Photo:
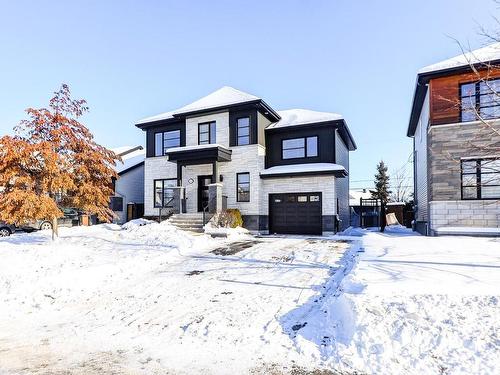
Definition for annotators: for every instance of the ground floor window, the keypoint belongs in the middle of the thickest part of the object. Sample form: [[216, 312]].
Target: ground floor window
[[243, 187], [116, 203], [480, 178], [164, 192]]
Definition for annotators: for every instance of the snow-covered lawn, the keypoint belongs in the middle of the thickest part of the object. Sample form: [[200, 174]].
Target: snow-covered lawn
[[153, 300], [421, 305]]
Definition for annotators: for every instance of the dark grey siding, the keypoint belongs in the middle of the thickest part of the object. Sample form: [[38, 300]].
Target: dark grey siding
[[326, 144], [150, 135], [234, 116]]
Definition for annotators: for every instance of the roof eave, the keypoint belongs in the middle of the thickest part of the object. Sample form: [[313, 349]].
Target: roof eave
[[421, 89], [340, 123], [336, 173]]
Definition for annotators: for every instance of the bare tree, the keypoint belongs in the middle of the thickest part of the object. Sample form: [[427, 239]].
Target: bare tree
[[401, 187]]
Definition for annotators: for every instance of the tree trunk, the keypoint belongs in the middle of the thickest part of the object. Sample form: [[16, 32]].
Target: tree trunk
[[55, 229]]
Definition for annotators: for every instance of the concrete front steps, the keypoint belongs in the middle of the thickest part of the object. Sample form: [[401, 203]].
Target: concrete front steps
[[188, 222]]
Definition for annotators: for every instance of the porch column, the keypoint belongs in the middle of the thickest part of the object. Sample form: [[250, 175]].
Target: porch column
[[215, 198], [215, 172]]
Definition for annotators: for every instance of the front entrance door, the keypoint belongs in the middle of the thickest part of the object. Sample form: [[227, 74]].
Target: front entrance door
[[203, 182]]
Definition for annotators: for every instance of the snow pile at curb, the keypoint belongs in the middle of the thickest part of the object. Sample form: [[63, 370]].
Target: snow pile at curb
[[232, 233], [132, 224]]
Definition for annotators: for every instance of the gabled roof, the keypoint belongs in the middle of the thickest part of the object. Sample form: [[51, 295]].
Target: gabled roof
[[293, 117], [481, 57], [132, 157], [224, 97]]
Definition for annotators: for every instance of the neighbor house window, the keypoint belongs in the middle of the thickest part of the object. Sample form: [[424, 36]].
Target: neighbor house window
[[206, 133], [243, 187], [116, 203], [243, 131], [480, 99], [164, 192], [300, 148], [166, 140], [481, 178]]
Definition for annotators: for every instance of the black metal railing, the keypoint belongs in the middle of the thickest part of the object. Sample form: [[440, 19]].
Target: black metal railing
[[166, 211]]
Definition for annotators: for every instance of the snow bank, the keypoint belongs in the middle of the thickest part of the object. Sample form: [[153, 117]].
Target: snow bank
[[232, 233], [416, 305]]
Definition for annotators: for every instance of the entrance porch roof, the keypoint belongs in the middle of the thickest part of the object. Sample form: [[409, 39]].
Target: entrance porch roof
[[199, 154]]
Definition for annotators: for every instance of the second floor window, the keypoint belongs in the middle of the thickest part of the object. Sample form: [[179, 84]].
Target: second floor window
[[207, 133], [480, 99], [243, 131], [481, 178], [166, 140], [300, 148]]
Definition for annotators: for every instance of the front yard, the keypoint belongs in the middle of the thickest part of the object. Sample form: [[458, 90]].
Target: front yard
[[153, 300]]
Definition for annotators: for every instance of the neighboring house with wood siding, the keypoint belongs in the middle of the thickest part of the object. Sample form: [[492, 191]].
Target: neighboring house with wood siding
[[455, 128], [286, 171]]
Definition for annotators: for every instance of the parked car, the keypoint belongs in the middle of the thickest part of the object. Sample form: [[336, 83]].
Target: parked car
[[71, 218], [6, 229]]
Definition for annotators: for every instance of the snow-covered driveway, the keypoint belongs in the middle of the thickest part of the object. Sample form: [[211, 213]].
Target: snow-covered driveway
[[421, 305], [151, 299]]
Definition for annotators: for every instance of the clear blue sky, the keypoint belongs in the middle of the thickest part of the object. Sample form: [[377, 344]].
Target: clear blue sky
[[132, 59]]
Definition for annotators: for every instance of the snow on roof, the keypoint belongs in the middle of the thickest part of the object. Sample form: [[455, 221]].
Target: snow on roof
[[300, 168], [355, 195], [195, 147], [222, 97], [130, 159], [485, 54], [292, 117], [161, 116]]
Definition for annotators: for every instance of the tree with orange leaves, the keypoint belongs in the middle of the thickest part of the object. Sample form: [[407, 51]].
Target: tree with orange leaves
[[52, 161]]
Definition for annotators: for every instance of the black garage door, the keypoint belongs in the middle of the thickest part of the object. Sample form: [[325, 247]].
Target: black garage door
[[295, 213]]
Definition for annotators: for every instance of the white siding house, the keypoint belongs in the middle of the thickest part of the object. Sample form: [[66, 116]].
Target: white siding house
[[129, 187]]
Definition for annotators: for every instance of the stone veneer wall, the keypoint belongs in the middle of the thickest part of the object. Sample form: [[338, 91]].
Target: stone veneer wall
[[448, 144], [479, 213]]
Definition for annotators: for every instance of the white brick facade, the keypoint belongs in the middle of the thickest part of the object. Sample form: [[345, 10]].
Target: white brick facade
[[244, 159], [310, 184], [157, 168], [221, 124]]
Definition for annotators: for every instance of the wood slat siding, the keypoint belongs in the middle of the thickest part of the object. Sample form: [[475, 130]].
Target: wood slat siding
[[445, 95]]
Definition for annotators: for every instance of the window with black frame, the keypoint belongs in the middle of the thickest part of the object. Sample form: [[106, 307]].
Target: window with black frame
[[164, 192], [296, 148], [243, 131], [480, 100], [166, 140], [480, 178], [207, 133], [243, 187]]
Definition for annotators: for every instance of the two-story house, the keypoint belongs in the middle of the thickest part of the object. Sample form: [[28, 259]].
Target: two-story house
[[455, 127], [286, 171]]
